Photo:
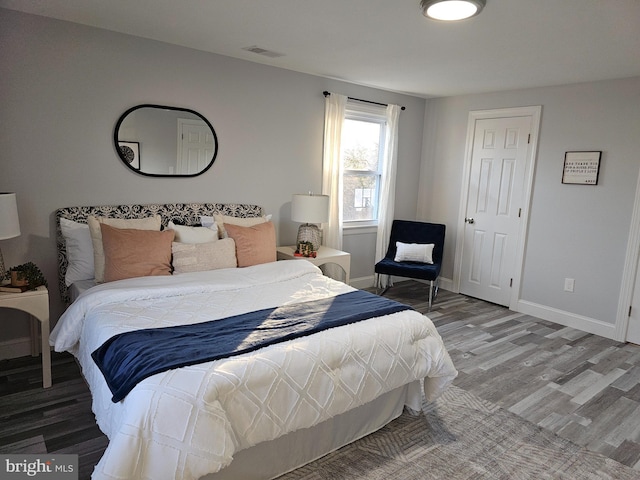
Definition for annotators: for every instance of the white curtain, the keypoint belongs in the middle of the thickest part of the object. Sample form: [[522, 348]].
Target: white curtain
[[388, 186], [334, 110]]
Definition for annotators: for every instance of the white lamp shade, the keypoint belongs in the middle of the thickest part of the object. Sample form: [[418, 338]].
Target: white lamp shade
[[9, 222], [310, 208]]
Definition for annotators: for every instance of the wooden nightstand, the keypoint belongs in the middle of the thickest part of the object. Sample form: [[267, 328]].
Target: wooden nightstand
[[35, 303], [323, 255]]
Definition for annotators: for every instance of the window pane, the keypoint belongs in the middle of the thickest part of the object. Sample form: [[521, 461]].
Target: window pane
[[360, 197], [360, 145]]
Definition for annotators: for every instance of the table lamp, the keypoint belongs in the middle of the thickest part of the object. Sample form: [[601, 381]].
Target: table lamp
[[310, 209], [9, 223]]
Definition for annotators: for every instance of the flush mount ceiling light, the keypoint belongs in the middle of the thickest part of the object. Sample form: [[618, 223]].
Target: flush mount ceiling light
[[451, 10]]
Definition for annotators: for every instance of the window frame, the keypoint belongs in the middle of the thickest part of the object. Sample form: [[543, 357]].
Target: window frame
[[373, 114]]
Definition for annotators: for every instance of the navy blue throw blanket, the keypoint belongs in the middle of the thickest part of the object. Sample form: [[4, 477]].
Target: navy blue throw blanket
[[128, 358]]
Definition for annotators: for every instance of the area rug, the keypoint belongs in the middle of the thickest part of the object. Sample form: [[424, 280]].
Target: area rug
[[461, 436]]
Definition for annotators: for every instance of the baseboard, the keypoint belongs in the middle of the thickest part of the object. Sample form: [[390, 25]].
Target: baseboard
[[586, 324], [561, 317], [362, 282], [15, 348]]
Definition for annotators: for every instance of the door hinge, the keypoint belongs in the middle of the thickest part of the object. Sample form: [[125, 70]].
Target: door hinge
[[519, 212], [529, 139], [630, 310], [511, 282]]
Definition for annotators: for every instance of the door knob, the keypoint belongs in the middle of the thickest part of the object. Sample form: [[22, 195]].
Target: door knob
[[469, 220]]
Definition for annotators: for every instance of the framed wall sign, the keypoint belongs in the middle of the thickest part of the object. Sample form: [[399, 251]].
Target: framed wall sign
[[581, 168]]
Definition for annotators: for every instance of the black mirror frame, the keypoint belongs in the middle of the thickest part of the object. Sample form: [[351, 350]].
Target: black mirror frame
[[162, 107]]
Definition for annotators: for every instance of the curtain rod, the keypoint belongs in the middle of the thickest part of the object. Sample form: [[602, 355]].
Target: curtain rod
[[326, 94]]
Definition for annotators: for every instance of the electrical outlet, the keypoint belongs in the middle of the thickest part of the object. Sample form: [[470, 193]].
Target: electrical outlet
[[568, 284]]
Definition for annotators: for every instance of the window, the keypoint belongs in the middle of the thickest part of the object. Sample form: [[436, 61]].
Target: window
[[362, 156]]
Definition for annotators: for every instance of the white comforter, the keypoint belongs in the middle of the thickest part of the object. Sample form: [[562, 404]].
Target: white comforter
[[188, 422]]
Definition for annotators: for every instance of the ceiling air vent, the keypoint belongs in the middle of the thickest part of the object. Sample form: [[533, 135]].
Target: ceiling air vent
[[263, 52]]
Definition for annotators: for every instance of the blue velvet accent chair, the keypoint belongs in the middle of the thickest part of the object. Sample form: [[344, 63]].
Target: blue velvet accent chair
[[407, 231]]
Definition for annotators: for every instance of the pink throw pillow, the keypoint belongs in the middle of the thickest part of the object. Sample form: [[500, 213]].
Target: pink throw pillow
[[255, 244], [133, 253]]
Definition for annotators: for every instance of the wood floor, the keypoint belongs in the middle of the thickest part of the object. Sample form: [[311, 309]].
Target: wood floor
[[582, 387]]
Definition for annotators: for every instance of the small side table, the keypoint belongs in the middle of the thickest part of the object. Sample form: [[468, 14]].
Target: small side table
[[323, 255], [35, 303]]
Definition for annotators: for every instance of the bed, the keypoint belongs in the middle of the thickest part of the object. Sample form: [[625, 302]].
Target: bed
[[262, 411]]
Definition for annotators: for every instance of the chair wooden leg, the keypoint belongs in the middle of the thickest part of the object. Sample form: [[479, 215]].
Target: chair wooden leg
[[430, 294]]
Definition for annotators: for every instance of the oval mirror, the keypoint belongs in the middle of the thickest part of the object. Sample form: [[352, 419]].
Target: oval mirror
[[165, 141]]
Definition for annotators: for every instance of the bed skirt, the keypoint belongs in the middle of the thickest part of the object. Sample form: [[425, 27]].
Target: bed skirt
[[269, 460]]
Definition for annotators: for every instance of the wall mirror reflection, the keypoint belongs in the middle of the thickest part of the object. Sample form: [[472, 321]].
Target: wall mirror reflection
[[163, 141]]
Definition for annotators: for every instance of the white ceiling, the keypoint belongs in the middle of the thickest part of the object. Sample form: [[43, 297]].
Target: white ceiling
[[388, 44]]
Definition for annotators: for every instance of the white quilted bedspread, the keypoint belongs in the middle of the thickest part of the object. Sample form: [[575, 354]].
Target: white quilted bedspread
[[188, 422]]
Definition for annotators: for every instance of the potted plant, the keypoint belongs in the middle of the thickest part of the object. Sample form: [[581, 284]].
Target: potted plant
[[27, 275], [305, 249]]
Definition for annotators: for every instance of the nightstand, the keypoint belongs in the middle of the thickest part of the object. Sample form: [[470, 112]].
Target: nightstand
[[35, 303], [323, 255]]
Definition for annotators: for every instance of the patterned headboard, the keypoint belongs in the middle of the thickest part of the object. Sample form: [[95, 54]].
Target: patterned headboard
[[179, 213]]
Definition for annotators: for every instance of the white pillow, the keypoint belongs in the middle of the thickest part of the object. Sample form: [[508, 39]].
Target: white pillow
[[414, 252], [77, 239], [208, 222], [186, 234], [220, 220]]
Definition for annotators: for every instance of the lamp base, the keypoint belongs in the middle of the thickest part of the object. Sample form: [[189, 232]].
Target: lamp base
[[310, 233]]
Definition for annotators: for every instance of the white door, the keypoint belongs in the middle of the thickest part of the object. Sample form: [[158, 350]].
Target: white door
[[496, 193], [195, 146], [633, 330]]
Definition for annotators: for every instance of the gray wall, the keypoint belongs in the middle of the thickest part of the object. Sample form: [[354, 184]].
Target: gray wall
[[574, 231], [64, 86]]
